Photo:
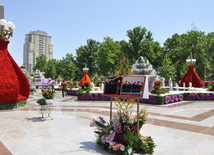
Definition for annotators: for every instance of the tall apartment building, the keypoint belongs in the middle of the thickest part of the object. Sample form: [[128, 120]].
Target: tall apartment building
[[36, 44], [1, 10]]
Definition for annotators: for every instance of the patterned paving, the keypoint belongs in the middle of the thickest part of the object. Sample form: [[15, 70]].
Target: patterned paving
[[187, 119]]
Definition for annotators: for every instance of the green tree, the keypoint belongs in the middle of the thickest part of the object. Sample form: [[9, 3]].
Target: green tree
[[67, 67], [50, 70], [40, 63], [87, 55], [108, 56], [178, 49], [141, 43], [168, 69]]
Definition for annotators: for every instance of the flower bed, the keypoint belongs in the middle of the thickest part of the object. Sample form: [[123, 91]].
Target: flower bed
[[72, 92], [156, 99], [96, 96], [199, 96], [162, 99]]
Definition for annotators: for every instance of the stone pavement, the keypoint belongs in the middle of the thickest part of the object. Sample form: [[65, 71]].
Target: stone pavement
[[180, 128]]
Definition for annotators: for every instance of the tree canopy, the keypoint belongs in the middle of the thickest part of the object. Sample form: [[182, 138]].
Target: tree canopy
[[169, 60]]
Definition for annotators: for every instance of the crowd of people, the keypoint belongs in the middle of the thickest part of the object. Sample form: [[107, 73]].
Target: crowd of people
[[113, 86], [132, 86]]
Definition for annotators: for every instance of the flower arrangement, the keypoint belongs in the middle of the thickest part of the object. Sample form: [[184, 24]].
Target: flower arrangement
[[47, 83], [210, 86], [173, 83], [48, 94], [120, 135], [41, 101], [73, 85], [98, 84], [86, 88], [157, 88], [206, 83]]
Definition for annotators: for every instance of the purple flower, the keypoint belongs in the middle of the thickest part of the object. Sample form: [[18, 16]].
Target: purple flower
[[192, 97], [93, 124], [209, 97], [96, 97], [176, 98], [180, 97], [85, 97], [166, 100], [152, 99], [109, 138], [102, 120], [116, 124], [102, 97]]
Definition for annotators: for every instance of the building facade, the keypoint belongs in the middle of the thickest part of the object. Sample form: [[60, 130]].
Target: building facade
[[1, 10], [36, 44]]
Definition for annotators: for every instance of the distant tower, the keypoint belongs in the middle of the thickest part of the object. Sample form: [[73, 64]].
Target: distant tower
[[36, 44], [1, 10]]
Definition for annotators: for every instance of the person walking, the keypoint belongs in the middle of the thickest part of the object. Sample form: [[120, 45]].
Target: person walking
[[64, 88]]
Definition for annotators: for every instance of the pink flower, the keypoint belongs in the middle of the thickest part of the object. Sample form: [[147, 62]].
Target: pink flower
[[131, 117], [126, 127], [116, 146], [93, 124], [141, 115], [124, 120]]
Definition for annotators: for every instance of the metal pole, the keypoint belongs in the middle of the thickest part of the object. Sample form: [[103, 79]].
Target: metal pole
[[110, 108], [137, 116]]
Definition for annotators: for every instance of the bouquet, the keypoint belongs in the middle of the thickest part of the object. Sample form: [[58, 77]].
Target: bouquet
[[120, 135], [48, 94]]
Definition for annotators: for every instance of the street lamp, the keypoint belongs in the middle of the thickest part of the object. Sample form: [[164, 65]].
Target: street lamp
[[6, 29]]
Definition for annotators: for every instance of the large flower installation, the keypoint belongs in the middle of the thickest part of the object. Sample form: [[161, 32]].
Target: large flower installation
[[14, 85]]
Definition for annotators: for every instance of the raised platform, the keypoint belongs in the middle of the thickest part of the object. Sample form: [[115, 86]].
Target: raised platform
[[171, 97]]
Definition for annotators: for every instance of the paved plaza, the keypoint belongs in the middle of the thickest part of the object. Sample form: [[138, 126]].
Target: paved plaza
[[183, 128]]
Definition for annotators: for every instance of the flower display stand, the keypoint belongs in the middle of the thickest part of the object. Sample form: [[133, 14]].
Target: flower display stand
[[49, 101], [46, 109]]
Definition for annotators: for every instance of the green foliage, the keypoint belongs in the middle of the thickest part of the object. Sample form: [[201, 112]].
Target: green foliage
[[108, 55], [169, 60], [87, 55], [50, 70], [41, 101], [85, 89], [12, 105], [147, 145], [210, 86], [168, 69], [31, 74], [66, 67], [40, 63], [178, 49], [132, 139]]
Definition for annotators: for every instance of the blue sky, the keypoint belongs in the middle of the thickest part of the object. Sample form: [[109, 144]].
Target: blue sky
[[72, 22]]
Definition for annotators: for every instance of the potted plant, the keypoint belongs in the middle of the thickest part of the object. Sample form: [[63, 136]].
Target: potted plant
[[48, 95], [32, 90], [42, 103]]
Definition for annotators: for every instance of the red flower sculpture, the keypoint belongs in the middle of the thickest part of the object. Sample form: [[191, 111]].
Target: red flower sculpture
[[14, 85]]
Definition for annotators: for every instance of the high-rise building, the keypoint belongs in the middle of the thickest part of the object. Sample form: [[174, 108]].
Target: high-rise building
[[1, 10], [36, 44]]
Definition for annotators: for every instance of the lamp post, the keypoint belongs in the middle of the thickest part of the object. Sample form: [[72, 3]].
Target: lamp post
[[6, 29]]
